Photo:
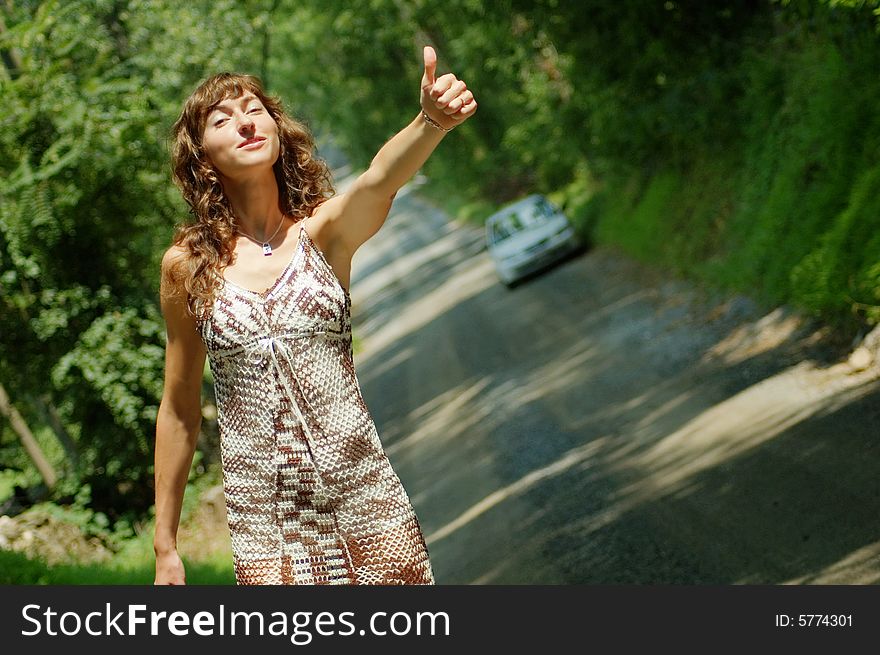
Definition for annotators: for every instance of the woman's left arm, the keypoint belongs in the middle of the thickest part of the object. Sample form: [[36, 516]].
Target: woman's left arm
[[361, 210]]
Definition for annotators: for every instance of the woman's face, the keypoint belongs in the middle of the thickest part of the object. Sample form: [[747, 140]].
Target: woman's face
[[240, 137]]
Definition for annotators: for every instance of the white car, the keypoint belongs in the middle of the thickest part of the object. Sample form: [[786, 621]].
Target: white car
[[528, 235]]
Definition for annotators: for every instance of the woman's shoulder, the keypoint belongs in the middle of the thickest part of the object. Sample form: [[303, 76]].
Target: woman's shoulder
[[175, 256], [173, 273], [323, 222]]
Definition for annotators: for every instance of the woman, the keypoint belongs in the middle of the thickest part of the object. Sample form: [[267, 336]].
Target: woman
[[259, 284]]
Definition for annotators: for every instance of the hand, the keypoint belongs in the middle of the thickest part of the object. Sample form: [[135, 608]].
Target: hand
[[169, 569], [447, 99]]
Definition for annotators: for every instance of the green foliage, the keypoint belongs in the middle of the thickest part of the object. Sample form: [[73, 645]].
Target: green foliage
[[90, 91], [794, 235], [842, 271], [735, 142], [119, 356]]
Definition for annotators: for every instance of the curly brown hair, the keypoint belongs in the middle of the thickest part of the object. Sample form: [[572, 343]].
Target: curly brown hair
[[304, 183]]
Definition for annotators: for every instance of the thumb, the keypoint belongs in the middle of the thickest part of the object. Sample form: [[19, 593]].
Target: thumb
[[430, 66]]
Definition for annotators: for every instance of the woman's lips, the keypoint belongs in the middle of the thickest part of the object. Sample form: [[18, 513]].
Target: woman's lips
[[252, 142]]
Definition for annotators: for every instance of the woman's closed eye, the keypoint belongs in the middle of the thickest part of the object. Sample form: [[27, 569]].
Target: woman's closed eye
[[220, 121]]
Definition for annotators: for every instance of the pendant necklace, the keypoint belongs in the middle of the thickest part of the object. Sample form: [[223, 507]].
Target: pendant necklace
[[267, 249]]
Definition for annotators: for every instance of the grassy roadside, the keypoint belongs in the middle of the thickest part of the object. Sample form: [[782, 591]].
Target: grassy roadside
[[19, 569], [203, 544]]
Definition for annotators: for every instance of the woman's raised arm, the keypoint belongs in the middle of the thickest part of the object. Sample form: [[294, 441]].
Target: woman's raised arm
[[358, 213]]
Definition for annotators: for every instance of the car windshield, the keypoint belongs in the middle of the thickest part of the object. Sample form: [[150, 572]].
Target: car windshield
[[530, 216]]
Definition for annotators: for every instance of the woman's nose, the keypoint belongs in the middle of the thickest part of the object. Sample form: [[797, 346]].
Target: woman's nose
[[245, 123]]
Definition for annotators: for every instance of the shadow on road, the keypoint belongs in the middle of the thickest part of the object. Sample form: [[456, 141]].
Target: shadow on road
[[604, 424]]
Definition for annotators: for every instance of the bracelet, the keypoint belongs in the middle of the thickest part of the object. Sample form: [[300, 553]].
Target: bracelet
[[431, 121]]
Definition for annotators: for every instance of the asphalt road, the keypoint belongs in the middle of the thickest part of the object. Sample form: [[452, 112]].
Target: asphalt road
[[604, 423]]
